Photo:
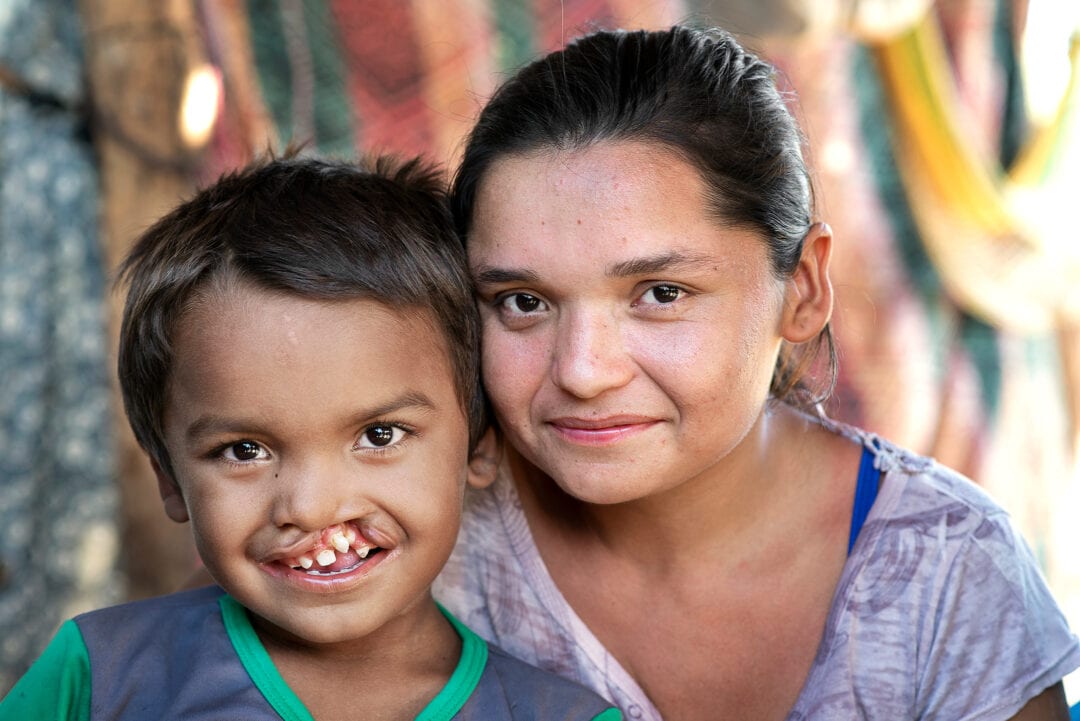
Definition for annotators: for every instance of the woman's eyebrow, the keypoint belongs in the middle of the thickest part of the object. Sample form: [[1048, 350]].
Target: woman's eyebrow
[[646, 265], [486, 274], [651, 264]]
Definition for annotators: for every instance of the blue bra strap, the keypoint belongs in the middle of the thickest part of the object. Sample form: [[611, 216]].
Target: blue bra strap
[[866, 489]]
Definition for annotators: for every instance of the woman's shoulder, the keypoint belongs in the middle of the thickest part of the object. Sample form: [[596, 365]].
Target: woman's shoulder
[[913, 485], [939, 567]]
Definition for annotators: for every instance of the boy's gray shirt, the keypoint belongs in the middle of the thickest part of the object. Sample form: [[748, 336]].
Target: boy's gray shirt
[[171, 658]]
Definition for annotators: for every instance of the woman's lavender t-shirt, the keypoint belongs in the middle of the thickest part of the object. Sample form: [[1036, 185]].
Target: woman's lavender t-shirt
[[941, 611]]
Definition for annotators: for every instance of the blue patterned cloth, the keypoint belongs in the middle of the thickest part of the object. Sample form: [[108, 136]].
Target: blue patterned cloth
[[58, 498]]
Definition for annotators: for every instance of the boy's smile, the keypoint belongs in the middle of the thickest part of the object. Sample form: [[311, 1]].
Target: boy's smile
[[320, 453]]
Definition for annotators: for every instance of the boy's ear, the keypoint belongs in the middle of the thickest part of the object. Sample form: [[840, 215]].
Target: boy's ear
[[175, 508], [808, 294], [484, 462]]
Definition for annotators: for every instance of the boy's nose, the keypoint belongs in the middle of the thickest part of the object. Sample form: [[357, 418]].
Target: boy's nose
[[590, 355], [313, 495]]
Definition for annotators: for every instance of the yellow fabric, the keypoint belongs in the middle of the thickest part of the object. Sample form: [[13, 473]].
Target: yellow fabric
[[978, 222]]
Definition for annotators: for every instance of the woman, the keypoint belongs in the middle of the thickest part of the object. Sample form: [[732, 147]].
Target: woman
[[674, 524]]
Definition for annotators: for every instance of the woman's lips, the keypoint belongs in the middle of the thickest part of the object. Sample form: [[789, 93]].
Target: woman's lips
[[600, 431]]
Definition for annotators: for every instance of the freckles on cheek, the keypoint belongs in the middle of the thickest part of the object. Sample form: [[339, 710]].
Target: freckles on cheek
[[512, 378], [677, 353], [511, 366]]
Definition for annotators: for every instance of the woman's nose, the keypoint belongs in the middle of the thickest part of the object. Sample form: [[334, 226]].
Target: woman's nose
[[590, 356]]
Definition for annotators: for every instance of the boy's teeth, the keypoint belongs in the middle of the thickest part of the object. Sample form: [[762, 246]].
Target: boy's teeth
[[363, 551], [306, 562], [326, 557], [350, 535], [339, 542]]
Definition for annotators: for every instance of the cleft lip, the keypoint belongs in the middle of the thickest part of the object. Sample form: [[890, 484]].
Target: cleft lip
[[293, 549], [341, 543]]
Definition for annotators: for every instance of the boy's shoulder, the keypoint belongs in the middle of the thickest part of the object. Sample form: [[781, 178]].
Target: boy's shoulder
[[193, 600], [511, 688], [165, 621], [167, 657]]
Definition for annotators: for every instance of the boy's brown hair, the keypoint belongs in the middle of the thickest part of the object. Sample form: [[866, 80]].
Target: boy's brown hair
[[379, 230]]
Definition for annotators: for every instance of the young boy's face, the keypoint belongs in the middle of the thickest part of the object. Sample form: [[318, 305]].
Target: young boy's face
[[319, 434]]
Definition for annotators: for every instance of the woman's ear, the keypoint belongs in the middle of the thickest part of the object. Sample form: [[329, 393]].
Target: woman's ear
[[175, 508], [808, 295], [484, 462]]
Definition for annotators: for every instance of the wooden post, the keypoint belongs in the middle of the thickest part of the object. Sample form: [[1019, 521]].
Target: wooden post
[[138, 55]]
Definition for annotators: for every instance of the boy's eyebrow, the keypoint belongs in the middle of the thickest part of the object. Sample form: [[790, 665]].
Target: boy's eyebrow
[[412, 399], [645, 265], [211, 424]]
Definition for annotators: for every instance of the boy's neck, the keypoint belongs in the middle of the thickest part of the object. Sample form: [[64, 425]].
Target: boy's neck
[[392, 673]]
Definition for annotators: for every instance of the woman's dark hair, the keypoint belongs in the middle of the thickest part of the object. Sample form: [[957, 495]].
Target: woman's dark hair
[[696, 92]]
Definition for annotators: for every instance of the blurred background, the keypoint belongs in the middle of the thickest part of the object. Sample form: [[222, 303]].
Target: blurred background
[[944, 138]]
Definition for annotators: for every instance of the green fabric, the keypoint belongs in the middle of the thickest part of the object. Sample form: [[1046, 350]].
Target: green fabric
[[466, 676], [266, 678], [611, 714], [1014, 122], [978, 338], [57, 686], [306, 94], [272, 63], [333, 111], [257, 662], [515, 28]]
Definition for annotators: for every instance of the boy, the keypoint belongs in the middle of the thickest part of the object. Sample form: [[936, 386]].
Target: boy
[[299, 358]]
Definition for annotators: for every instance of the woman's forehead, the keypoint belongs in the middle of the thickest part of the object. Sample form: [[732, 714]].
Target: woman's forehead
[[606, 182], [611, 202], [605, 163]]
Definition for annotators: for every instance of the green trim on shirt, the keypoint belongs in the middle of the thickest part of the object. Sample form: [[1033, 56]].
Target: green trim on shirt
[[462, 683], [257, 662], [57, 686], [272, 686]]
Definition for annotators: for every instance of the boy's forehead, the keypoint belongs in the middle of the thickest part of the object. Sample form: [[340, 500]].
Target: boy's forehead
[[236, 342], [225, 310]]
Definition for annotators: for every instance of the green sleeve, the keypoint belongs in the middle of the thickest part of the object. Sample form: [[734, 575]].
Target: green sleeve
[[57, 686]]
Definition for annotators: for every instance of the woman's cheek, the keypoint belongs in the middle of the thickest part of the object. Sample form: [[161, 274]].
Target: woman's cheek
[[513, 366]]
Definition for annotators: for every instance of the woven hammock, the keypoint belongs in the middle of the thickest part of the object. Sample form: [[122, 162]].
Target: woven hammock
[[988, 230]]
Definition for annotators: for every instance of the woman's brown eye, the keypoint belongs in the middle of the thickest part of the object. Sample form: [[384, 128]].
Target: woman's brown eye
[[526, 303], [665, 293], [661, 295]]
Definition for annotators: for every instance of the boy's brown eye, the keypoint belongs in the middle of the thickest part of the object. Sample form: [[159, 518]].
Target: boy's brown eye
[[245, 450], [380, 435]]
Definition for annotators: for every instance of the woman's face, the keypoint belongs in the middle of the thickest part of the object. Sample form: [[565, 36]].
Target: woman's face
[[628, 338]]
